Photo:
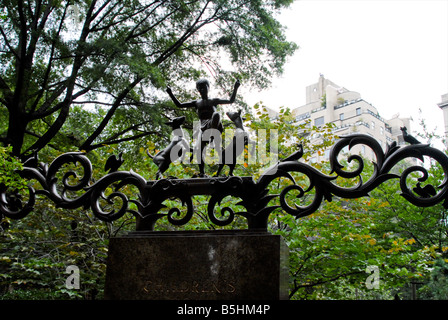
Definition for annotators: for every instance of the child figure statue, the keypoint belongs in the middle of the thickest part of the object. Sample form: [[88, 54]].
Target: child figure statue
[[206, 108]]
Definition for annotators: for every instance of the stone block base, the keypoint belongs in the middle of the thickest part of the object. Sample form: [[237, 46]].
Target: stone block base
[[197, 265]]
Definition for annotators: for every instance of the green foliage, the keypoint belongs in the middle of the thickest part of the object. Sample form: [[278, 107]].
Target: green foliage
[[437, 287], [35, 252], [9, 167]]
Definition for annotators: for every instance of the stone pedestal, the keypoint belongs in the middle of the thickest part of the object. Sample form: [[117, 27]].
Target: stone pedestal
[[197, 265]]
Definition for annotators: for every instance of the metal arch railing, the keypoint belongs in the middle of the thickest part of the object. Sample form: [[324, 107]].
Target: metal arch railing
[[254, 195]]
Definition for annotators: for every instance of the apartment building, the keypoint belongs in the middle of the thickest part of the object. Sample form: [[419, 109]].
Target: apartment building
[[444, 106], [328, 102]]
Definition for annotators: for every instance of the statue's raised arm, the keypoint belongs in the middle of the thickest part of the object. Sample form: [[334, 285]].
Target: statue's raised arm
[[232, 97], [178, 104]]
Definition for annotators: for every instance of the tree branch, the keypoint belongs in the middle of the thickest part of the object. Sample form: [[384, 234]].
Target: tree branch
[[7, 93], [5, 37], [187, 34], [49, 65], [134, 127], [323, 281], [45, 109], [55, 127], [117, 141], [87, 144]]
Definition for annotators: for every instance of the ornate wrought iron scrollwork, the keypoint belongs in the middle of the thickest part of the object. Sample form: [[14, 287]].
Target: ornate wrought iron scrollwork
[[68, 188], [46, 177], [385, 162]]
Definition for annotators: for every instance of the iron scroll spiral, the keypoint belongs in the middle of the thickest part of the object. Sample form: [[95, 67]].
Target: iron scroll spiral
[[324, 188], [69, 188]]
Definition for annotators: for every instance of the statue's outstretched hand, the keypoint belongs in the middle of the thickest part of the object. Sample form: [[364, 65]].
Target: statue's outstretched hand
[[237, 84]]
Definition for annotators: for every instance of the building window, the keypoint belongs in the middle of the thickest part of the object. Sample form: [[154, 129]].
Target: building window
[[302, 116], [358, 111], [319, 121], [381, 130], [363, 149], [373, 125], [341, 116]]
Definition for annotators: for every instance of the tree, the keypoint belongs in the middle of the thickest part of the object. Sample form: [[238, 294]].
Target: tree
[[118, 54]]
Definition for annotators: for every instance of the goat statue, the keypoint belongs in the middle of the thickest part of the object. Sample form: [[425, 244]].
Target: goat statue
[[175, 150], [236, 145]]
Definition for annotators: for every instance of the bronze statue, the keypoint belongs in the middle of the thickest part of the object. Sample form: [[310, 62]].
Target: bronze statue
[[407, 137], [114, 162], [206, 109], [174, 150], [236, 145]]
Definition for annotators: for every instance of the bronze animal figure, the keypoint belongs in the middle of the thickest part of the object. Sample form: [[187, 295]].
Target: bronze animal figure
[[114, 162], [236, 146], [407, 137], [174, 150]]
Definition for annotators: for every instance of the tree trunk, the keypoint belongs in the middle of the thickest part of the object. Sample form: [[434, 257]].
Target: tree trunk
[[16, 131], [55, 127]]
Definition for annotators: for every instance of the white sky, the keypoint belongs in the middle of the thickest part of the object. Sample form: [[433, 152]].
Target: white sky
[[394, 53]]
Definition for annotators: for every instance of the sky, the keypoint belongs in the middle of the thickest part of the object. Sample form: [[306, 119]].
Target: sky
[[393, 52]]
